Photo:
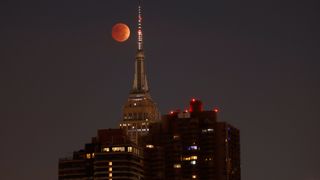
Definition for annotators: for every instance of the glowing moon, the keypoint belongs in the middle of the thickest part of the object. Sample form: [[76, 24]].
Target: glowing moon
[[120, 32]]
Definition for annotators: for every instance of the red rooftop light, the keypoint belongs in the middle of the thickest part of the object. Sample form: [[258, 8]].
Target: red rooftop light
[[216, 110], [195, 105]]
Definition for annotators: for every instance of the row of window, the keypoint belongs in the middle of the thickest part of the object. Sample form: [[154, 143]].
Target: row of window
[[136, 116], [133, 125], [121, 149]]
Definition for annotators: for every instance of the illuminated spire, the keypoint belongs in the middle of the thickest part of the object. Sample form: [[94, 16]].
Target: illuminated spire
[[140, 83], [140, 34]]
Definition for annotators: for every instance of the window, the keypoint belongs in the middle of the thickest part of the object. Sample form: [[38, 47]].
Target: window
[[129, 149], [209, 130], [88, 156], [188, 158], [149, 146], [176, 137], [192, 148], [194, 157], [177, 166], [118, 149]]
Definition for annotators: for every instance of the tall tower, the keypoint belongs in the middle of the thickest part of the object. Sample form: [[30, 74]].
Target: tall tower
[[139, 110]]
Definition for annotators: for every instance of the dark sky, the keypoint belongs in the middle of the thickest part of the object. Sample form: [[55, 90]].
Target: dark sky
[[63, 77]]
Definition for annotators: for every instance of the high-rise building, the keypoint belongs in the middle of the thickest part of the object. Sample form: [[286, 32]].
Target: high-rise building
[[140, 110], [192, 145], [110, 155]]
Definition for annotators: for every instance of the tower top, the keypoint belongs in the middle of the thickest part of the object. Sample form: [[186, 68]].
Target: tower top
[[140, 110]]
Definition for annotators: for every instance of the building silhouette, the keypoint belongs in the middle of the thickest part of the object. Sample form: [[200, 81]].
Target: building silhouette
[[110, 155], [192, 144]]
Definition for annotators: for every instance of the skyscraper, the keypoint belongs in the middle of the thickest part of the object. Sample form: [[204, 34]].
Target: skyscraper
[[139, 110], [110, 155], [192, 145]]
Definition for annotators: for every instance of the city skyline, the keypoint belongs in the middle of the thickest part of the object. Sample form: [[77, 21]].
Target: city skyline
[[256, 61]]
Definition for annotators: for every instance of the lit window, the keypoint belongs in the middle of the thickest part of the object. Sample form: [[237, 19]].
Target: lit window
[[110, 169], [88, 156], [106, 149], [92, 155], [194, 176], [118, 149], [186, 158], [194, 157], [192, 148], [129, 149], [149, 146], [175, 137], [207, 130], [177, 166], [110, 174], [193, 162], [110, 163]]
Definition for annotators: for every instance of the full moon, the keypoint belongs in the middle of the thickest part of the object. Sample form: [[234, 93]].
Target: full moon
[[120, 32]]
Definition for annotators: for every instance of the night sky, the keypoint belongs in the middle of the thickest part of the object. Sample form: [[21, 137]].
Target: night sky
[[62, 77]]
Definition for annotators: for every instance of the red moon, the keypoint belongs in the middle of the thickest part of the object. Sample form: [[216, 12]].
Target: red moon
[[120, 32]]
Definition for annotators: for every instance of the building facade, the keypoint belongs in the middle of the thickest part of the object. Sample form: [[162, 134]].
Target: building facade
[[110, 155], [192, 145]]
